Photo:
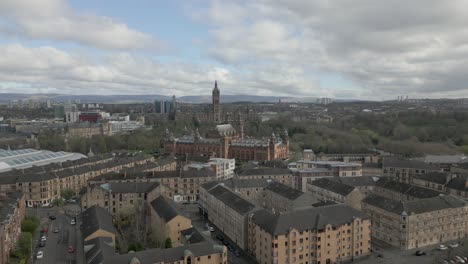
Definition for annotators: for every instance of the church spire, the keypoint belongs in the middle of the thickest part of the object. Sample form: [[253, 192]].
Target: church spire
[[216, 86]]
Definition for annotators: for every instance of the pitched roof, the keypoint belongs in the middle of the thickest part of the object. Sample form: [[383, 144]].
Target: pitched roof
[[451, 159], [165, 208], [246, 183], [405, 163], [416, 206], [333, 186], [458, 183], [192, 235], [96, 218], [8, 205], [284, 190], [436, 177], [168, 255], [98, 250], [309, 219], [356, 181], [405, 188], [130, 187], [265, 171], [234, 201]]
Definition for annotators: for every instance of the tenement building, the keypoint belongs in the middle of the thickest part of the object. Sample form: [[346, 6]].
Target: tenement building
[[404, 170], [328, 234], [277, 174], [328, 189], [120, 196], [224, 141], [12, 211], [227, 210], [417, 223]]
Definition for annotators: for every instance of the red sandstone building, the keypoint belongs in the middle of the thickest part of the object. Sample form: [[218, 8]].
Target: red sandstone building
[[225, 142]]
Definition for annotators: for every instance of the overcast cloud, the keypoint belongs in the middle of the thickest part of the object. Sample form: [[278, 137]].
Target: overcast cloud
[[380, 49]]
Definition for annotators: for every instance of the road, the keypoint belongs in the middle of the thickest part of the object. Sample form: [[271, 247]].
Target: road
[[56, 248]]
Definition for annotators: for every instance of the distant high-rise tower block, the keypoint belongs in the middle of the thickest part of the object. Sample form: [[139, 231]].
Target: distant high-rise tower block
[[216, 109]]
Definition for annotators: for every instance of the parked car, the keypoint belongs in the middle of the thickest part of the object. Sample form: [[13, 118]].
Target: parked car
[[220, 237], [42, 243], [442, 247], [71, 249], [420, 253], [73, 221], [211, 229], [236, 253], [46, 205], [40, 255], [43, 238], [52, 217], [45, 230], [56, 230], [453, 245]]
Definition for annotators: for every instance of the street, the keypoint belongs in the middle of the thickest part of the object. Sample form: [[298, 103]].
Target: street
[[56, 247]]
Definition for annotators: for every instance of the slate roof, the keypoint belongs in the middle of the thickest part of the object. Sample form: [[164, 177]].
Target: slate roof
[[8, 205], [98, 250], [232, 200], [441, 159], [405, 163], [333, 186], [458, 183], [265, 171], [168, 255], [165, 208], [96, 218], [356, 181], [192, 235], [309, 219], [246, 183], [416, 206], [404, 188], [130, 187], [284, 190], [436, 177]]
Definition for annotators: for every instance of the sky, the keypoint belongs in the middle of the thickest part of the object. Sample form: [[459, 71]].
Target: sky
[[359, 49]]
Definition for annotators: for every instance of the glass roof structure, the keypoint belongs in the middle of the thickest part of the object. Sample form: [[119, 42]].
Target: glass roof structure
[[24, 158]]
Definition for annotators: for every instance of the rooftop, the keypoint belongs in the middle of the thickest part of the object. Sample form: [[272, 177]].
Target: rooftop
[[404, 188], [450, 159], [405, 163], [416, 206], [165, 208], [333, 186], [315, 218], [96, 218], [265, 171], [284, 190], [25, 158], [436, 177], [130, 187], [232, 200]]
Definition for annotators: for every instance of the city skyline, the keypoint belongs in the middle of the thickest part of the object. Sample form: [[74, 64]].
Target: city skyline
[[374, 50]]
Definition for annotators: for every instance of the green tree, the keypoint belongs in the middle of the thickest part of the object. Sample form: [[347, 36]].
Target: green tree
[[67, 193], [168, 243], [24, 245], [29, 224]]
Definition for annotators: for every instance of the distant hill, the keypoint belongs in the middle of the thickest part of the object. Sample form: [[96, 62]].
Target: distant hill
[[196, 99]]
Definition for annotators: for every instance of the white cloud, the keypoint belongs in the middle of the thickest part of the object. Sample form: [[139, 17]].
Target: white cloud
[[49, 69], [54, 20], [384, 48]]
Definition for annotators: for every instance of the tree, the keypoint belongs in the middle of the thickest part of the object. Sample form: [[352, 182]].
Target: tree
[[168, 243], [67, 193], [29, 224], [24, 245], [158, 233]]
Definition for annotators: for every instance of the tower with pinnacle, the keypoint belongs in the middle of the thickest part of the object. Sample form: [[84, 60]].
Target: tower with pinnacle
[[215, 104]]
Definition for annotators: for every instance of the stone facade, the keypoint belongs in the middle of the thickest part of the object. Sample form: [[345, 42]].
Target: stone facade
[[12, 214], [418, 223], [330, 234]]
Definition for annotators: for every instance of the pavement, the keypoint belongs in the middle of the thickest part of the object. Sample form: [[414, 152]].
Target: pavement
[[56, 248]]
